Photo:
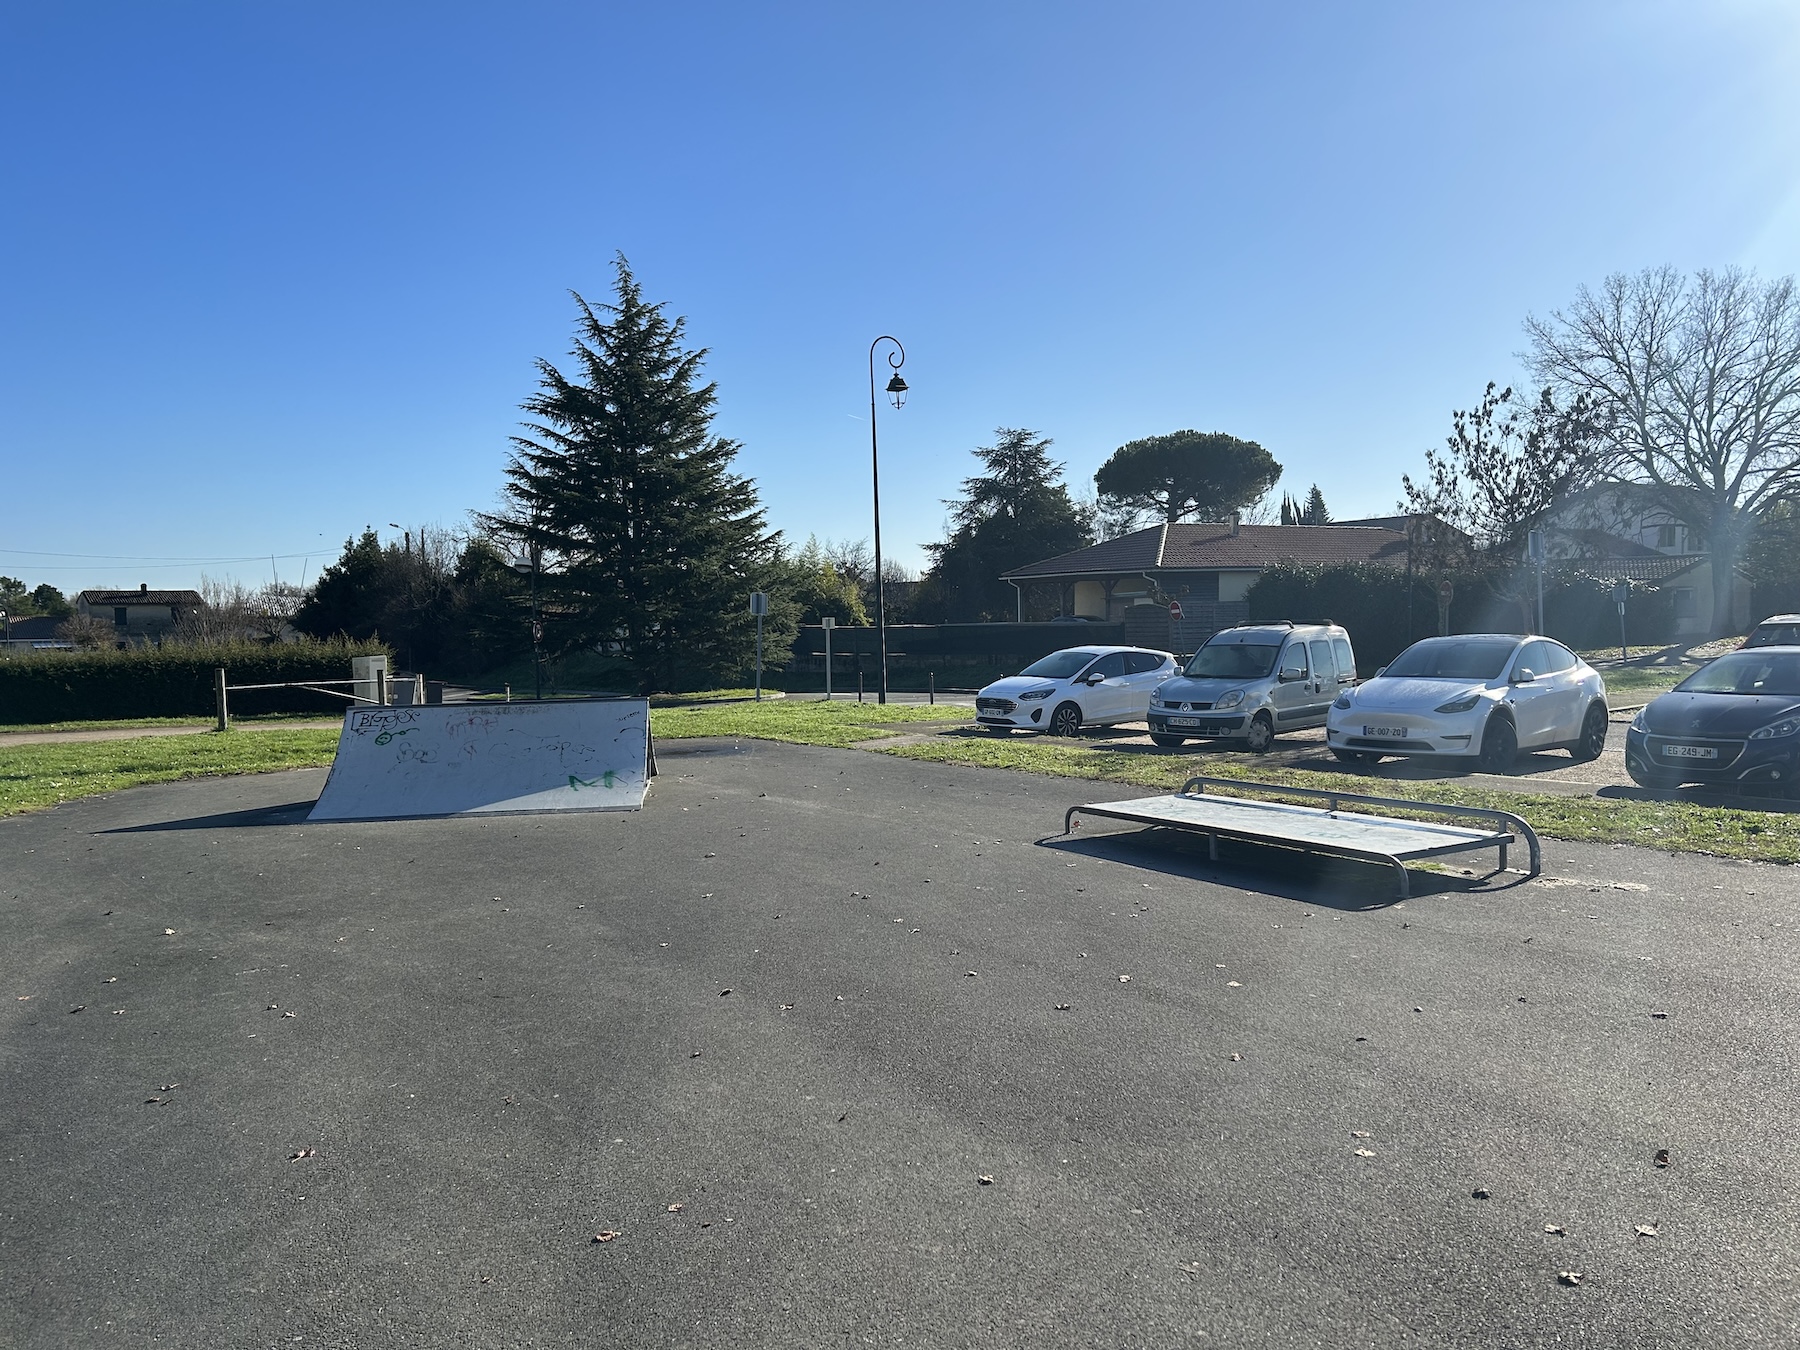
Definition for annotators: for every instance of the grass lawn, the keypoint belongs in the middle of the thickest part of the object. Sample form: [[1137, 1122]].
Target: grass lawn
[[33, 776], [1640, 684], [808, 723], [132, 723]]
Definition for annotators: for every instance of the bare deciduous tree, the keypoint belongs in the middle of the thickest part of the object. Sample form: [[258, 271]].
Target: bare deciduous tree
[[86, 632], [1505, 463], [1695, 389], [233, 612]]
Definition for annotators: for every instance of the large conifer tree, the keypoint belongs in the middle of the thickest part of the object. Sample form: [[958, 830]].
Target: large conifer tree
[[650, 545]]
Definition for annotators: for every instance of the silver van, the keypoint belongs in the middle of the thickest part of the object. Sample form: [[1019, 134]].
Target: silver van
[[1254, 682]]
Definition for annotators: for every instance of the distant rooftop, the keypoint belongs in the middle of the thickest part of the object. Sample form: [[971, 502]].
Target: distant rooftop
[[1203, 546]]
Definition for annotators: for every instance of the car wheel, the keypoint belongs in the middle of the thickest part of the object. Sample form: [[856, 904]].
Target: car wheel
[[1066, 720], [1499, 746], [1262, 734], [1593, 736], [1165, 740]]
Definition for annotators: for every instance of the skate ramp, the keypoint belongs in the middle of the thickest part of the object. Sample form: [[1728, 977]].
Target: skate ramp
[[477, 759]]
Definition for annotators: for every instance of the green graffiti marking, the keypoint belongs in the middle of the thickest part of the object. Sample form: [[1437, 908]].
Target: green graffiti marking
[[576, 784]]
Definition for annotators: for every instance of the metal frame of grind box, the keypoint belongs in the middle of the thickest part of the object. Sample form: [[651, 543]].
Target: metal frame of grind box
[[1314, 830]]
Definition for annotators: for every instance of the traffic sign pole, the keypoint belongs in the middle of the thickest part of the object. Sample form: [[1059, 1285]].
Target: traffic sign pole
[[759, 606]]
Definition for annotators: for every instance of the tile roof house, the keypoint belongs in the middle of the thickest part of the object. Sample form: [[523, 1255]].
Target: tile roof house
[[142, 615], [1207, 567], [33, 632], [1622, 530]]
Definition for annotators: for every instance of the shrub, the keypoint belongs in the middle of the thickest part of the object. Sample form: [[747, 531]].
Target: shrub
[[170, 681], [1371, 601]]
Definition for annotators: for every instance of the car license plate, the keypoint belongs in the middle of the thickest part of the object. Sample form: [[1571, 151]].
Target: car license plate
[[1386, 733], [1184, 721], [1690, 752]]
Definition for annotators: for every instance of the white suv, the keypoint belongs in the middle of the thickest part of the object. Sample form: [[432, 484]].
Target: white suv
[[1069, 689]]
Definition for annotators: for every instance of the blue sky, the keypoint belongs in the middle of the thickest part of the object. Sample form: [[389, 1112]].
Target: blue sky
[[277, 271]]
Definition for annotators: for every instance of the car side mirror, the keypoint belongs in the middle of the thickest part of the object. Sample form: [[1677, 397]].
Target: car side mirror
[[1095, 678], [1289, 674], [1525, 676]]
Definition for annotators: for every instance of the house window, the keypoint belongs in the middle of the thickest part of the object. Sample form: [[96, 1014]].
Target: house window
[[1684, 602], [119, 616], [1665, 536]]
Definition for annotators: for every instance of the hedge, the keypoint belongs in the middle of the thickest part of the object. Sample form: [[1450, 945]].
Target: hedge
[[170, 681], [1371, 601]]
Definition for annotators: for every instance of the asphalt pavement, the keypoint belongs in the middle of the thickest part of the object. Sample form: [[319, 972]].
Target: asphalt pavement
[[833, 1048]]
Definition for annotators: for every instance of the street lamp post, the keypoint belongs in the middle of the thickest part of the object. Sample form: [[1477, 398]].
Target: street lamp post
[[896, 391]]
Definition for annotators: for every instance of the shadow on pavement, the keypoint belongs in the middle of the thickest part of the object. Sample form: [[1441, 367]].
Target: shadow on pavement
[[1780, 806], [289, 813], [1310, 878]]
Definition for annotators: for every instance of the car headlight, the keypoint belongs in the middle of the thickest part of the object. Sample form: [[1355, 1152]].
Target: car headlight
[[1231, 700], [1787, 726], [1343, 701], [1037, 693], [1460, 705], [1642, 721]]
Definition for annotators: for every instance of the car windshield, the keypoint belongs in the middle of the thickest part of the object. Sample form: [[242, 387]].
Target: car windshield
[[1465, 659], [1233, 661], [1775, 635], [1059, 665], [1766, 672]]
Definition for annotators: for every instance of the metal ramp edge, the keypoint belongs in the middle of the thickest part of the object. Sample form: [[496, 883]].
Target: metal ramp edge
[[1360, 835]]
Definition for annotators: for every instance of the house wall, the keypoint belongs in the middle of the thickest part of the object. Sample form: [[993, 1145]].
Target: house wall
[[1694, 610], [1234, 586], [1090, 599], [141, 621]]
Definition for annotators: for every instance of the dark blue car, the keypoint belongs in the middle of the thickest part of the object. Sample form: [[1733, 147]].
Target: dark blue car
[[1733, 723]]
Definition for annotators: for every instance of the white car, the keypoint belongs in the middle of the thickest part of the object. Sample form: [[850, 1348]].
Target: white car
[[1073, 688], [1480, 697]]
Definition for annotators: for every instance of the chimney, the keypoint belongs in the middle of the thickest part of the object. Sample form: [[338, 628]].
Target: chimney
[[144, 586], [1234, 524]]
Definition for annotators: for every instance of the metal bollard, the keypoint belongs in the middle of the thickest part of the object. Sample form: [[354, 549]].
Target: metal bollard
[[931, 687], [219, 698], [859, 686]]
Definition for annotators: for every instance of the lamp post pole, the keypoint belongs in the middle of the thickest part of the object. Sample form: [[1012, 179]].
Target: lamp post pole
[[896, 390]]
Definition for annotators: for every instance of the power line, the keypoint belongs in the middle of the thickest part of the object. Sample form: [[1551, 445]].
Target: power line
[[153, 558]]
